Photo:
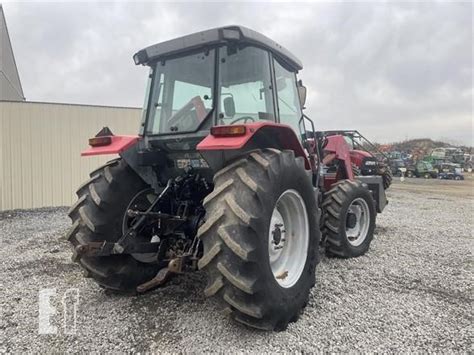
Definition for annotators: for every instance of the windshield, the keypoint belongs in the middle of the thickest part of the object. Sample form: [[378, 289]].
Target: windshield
[[181, 94]]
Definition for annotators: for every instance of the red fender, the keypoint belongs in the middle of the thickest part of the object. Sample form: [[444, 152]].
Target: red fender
[[257, 135], [117, 146]]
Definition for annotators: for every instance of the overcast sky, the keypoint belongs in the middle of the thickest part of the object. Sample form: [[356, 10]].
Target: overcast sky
[[392, 71]]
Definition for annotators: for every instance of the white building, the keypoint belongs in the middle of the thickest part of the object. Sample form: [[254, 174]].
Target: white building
[[40, 143]]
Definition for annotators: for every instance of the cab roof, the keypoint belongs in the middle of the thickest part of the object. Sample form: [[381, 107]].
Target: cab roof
[[213, 37]]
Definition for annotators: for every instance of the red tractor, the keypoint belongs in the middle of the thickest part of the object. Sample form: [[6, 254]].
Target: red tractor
[[365, 158], [226, 175]]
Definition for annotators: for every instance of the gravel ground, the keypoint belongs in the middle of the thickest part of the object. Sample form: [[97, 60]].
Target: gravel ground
[[411, 292]]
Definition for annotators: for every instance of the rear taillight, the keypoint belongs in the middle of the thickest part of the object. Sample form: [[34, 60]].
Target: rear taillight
[[228, 131], [100, 141]]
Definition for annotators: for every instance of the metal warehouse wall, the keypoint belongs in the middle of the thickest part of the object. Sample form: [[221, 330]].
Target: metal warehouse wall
[[40, 145]]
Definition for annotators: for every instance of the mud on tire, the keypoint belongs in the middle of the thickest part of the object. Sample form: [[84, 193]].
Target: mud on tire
[[236, 236], [97, 215]]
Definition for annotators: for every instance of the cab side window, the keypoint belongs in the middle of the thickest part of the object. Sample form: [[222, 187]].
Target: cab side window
[[289, 109], [245, 86]]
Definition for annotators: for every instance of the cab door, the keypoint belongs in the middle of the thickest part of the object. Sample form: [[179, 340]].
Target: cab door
[[288, 105], [245, 87]]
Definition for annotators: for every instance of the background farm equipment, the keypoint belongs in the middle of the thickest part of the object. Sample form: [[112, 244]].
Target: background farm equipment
[[365, 158], [398, 167], [422, 169], [448, 155], [229, 176], [450, 171], [450, 176], [469, 162]]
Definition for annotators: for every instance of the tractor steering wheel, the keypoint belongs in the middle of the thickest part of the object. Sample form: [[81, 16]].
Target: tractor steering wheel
[[244, 118]]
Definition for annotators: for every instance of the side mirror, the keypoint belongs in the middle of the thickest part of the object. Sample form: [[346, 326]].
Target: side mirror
[[302, 93]]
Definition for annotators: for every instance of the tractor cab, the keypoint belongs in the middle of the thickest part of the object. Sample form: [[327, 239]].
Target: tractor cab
[[228, 82], [223, 76]]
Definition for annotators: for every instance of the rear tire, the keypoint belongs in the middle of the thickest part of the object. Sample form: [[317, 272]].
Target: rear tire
[[344, 199], [98, 215], [236, 239]]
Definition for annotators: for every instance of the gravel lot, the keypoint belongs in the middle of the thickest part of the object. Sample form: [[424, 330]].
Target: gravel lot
[[411, 292]]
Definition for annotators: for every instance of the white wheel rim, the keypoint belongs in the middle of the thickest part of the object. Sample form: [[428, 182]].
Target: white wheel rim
[[360, 210], [288, 238]]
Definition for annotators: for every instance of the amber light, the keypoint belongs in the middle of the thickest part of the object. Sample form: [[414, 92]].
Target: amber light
[[228, 131], [100, 141]]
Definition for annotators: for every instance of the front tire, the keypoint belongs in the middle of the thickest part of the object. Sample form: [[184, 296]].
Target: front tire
[[237, 237], [387, 177], [349, 219]]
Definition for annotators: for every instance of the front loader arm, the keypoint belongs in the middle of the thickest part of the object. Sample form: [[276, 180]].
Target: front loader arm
[[337, 148]]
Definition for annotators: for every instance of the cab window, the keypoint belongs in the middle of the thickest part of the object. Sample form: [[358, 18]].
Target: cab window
[[244, 86], [289, 109], [184, 90], [181, 97]]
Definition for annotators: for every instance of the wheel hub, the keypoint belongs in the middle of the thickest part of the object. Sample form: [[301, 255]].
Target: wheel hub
[[288, 238], [357, 221], [277, 234], [351, 220]]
